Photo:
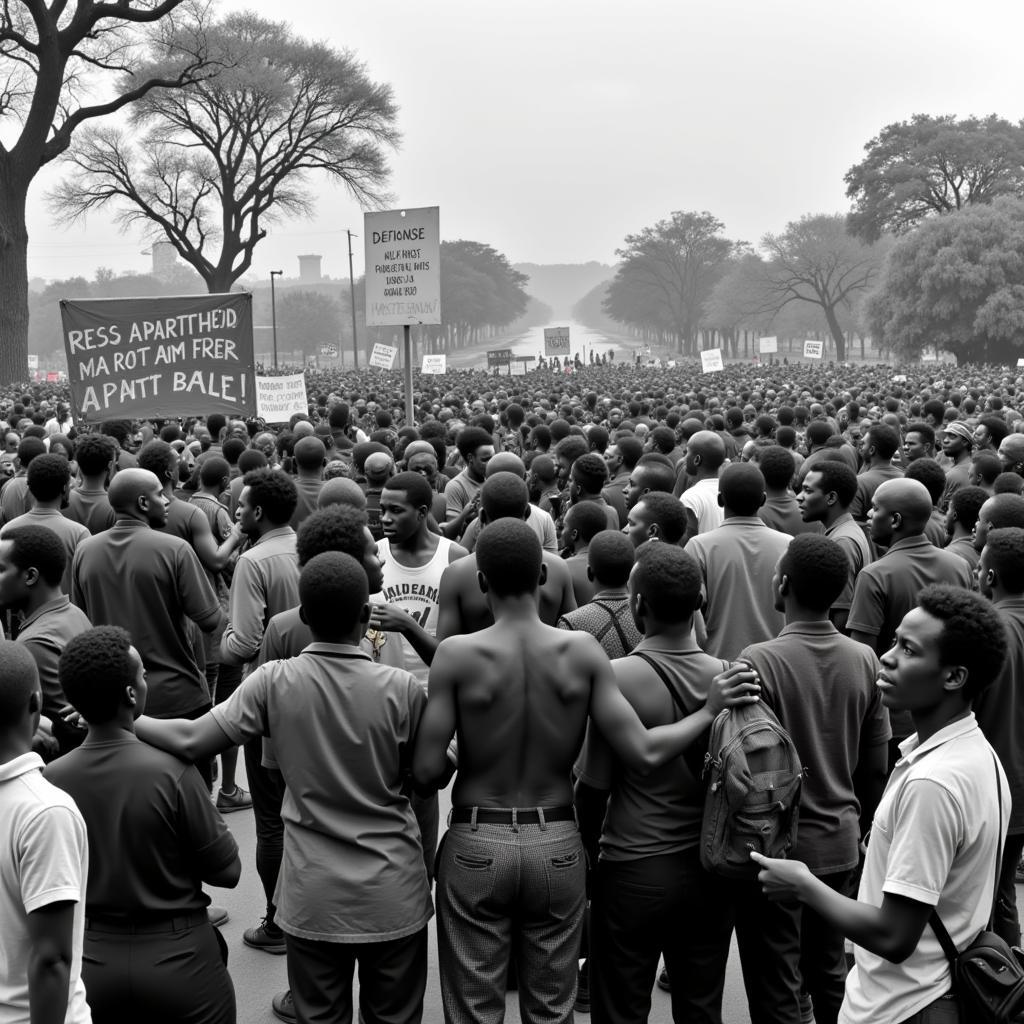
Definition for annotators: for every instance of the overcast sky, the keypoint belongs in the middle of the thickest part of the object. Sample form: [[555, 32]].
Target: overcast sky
[[550, 129]]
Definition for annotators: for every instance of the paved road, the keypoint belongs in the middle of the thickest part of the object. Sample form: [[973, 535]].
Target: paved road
[[258, 976]]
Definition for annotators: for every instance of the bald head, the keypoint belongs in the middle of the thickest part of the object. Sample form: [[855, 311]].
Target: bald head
[[378, 467], [705, 453], [310, 453], [303, 428], [909, 498], [505, 462], [419, 448], [128, 486], [1011, 453], [341, 491]]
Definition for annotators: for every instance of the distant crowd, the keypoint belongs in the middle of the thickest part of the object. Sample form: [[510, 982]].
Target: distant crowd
[[541, 591]]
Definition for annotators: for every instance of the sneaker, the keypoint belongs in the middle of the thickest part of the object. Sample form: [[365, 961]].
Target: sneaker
[[265, 936], [284, 1007], [663, 983], [238, 800], [218, 915], [583, 989]]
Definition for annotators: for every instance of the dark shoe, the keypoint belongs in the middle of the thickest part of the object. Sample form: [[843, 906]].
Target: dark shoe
[[265, 936], [663, 982], [284, 1007], [218, 915], [583, 989], [238, 800]]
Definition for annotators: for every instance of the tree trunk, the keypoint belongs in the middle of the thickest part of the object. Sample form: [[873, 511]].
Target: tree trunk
[[837, 333], [13, 280]]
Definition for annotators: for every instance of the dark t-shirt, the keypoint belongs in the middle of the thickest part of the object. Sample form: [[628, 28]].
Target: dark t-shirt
[[154, 835], [309, 494], [92, 509]]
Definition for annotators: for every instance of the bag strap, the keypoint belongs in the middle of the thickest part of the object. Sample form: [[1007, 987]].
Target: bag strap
[[620, 632], [669, 685], [936, 922]]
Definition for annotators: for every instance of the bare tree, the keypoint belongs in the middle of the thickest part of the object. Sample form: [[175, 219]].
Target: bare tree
[[209, 167], [816, 260], [58, 69]]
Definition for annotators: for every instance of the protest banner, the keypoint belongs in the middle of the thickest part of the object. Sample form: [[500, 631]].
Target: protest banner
[[383, 356], [403, 267], [497, 357], [711, 360], [769, 345], [556, 341], [279, 398], [434, 364], [33, 361], [813, 349], [166, 356]]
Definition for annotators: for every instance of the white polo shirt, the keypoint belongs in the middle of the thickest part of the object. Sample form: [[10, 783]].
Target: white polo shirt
[[934, 839], [44, 859], [702, 500]]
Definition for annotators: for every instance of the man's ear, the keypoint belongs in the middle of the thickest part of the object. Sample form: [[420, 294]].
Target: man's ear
[[364, 615], [590, 574], [654, 531], [764, 498], [720, 500], [482, 514], [955, 679], [481, 582], [784, 585], [543, 573]]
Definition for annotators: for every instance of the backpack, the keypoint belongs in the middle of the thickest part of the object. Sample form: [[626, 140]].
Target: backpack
[[753, 796], [988, 976]]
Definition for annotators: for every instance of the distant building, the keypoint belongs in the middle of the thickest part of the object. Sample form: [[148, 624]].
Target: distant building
[[165, 260], [309, 269]]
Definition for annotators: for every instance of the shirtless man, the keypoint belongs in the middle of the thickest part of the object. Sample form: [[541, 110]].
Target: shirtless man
[[519, 693], [463, 606]]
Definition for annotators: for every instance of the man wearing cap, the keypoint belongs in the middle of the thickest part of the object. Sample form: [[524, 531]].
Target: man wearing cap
[[957, 444]]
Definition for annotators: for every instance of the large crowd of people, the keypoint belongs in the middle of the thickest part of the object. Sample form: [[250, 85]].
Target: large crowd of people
[[541, 591]]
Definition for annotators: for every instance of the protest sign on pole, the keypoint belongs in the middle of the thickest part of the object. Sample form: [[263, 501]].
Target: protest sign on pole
[[403, 267], [813, 349], [279, 398], [498, 357], [165, 356], [383, 356], [434, 364], [769, 345], [711, 360], [556, 341]]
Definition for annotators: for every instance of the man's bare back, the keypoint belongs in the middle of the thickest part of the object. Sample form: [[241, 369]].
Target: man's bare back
[[522, 692]]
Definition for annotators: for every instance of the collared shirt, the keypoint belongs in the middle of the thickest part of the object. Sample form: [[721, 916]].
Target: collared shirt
[[935, 839], [152, 585], [850, 536], [782, 513], [821, 685], [964, 547], [44, 859], [46, 632], [343, 731], [91, 508], [737, 562], [71, 534], [266, 581], [867, 483]]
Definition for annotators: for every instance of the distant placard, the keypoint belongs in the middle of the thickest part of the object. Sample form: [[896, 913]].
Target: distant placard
[[330, 350], [434, 364], [556, 341], [813, 349], [403, 267], [33, 362], [768, 345], [497, 357], [383, 356], [1020, 362], [901, 378], [517, 368], [711, 360], [164, 356], [279, 398]]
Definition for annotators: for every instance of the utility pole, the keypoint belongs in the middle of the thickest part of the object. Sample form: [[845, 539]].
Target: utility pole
[[273, 310], [352, 293]]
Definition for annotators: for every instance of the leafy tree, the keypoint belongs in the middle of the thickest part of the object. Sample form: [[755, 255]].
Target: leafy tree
[[931, 165], [815, 260], [667, 274], [308, 319], [55, 73], [956, 282], [480, 291], [209, 167], [739, 302]]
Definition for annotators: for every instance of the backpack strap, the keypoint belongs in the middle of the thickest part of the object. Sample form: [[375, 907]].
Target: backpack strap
[[936, 922], [669, 685], [620, 632]]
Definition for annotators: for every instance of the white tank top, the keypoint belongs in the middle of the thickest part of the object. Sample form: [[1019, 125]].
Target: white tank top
[[416, 591]]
